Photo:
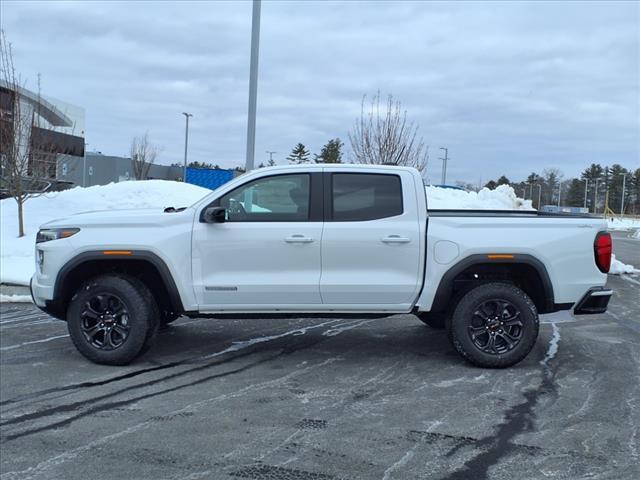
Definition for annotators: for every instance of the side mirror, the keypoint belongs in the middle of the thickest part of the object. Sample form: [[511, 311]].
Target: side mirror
[[215, 215]]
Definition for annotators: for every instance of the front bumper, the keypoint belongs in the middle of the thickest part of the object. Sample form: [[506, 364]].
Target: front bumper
[[594, 301], [39, 295]]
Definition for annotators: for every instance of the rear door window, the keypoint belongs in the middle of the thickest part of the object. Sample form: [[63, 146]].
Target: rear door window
[[365, 196]]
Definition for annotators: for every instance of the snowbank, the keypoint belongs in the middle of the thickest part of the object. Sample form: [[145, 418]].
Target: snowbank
[[15, 298], [623, 223], [618, 268], [16, 254], [502, 198]]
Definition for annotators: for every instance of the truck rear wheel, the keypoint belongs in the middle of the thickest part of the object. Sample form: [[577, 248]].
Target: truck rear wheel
[[111, 319], [494, 325]]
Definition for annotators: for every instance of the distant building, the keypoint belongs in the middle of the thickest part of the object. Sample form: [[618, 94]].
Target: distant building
[[51, 128], [103, 169]]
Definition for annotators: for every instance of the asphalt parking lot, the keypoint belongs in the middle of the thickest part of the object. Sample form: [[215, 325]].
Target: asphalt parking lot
[[305, 399]]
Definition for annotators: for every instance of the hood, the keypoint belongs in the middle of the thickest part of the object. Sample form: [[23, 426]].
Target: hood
[[117, 218]]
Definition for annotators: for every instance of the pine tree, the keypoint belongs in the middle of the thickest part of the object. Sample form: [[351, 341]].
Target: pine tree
[[491, 185], [299, 154], [331, 152], [575, 194], [593, 174], [503, 180], [634, 193], [616, 173], [271, 162]]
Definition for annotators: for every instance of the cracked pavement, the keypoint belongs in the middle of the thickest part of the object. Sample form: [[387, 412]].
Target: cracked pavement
[[325, 399]]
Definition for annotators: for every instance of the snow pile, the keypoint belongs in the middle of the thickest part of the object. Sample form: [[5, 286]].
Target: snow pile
[[15, 298], [502, 198], [618, 268], [17, 254], [623, 223]]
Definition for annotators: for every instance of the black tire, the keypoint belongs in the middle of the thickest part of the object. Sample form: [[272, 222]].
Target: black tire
[[112, 319], [494, 325], [435, 320], [169, 317]]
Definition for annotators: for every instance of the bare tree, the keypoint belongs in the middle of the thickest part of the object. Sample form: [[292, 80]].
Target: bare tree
[[143, 155], [21, 176], [383, 135]]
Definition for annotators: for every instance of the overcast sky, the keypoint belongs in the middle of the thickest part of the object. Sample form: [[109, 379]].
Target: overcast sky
[[508, 87]]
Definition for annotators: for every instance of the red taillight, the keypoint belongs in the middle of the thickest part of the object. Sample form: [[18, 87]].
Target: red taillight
[[602, 248]]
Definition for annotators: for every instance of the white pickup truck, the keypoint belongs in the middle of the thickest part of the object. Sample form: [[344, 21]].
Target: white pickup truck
[[320, 240]]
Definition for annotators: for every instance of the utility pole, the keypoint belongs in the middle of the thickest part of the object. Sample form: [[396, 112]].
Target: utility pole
[[595, 198], [624, 179], [444, 164], [270, 156], [253, 86], [186, 142], [539, 194]]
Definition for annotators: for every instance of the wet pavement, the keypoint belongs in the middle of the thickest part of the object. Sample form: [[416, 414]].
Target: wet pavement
[[306, 399]]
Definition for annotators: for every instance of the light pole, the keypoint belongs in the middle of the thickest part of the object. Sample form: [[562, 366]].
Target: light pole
[[253, 85], [586, 187], [624, 179], [270, 156], [186, 142], [595, 198], [559, 193], [539, 194], [444, 164], [84, 166]]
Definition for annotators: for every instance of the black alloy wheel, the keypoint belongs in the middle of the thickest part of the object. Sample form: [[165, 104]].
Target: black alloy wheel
[[496, 327], [105, 321]]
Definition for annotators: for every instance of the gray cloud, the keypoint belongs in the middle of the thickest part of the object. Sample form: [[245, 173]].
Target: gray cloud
[[508, 87]]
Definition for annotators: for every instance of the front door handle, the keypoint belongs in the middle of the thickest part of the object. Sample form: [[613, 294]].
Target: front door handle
[[395, 239], [298, 239]]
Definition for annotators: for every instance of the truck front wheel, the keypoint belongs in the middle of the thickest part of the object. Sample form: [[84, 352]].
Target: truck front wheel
[[494, 325], [111, 319]]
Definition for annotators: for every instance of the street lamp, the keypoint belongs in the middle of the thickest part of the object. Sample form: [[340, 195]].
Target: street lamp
[[444, 165], [539, 194], [595, 197], [586, 188], [270, 156], [624, 179], [186, 142], [559, 193], [253, 86]]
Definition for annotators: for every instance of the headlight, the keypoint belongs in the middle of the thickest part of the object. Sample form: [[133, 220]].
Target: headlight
[[48, 234]]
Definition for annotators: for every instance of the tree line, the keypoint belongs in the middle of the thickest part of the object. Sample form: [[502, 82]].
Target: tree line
[[598, 187]]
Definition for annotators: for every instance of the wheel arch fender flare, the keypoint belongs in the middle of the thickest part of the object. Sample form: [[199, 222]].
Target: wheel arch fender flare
[[130, 255], [444, 292]]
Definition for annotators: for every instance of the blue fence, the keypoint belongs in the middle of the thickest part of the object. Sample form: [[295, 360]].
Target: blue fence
[[208, 178]]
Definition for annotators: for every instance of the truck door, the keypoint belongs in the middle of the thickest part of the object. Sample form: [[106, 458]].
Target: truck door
[[370, 244], [267, 253]]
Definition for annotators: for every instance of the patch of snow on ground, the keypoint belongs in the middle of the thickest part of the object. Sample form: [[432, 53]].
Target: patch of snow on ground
[[17, 254], [502, 198], [618, 268], [15, 298]]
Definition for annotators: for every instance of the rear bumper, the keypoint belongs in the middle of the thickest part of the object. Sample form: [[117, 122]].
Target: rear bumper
[[593, 302]]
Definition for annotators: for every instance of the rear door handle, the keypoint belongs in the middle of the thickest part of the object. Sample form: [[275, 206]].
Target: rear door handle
[[298, 239], [395, 239]]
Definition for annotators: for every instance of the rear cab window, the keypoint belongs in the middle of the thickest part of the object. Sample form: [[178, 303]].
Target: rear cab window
[[364, 196]]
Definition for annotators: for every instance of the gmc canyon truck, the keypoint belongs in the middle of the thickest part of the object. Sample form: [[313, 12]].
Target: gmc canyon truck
[[320, 240]]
